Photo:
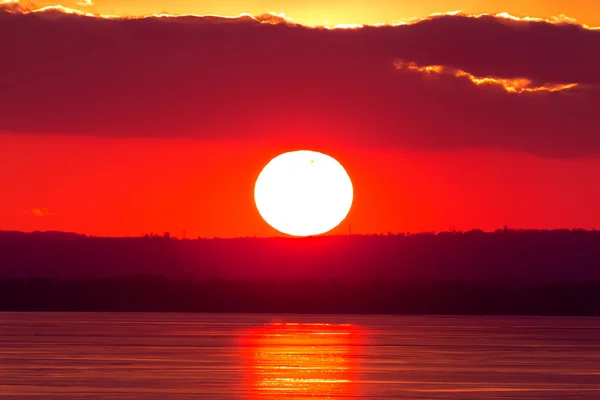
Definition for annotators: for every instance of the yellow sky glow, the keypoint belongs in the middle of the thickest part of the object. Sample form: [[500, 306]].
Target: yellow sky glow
[[334, 12]]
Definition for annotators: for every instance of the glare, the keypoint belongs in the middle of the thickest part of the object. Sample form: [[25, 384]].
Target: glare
[[303, 193]]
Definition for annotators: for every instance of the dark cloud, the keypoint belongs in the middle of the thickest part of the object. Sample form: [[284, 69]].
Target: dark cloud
[[265, 79]]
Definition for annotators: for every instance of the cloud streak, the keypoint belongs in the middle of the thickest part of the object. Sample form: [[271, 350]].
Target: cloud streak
[[85, 3], [35, 212], [441, 83], [514, 85]]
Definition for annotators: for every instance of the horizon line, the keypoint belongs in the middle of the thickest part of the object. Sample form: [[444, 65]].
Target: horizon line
[[169, 236]]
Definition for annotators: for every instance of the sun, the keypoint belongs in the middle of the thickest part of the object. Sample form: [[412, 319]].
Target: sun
[[303, 193]]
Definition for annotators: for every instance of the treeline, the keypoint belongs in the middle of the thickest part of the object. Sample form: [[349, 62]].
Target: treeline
[[159, 294], [502, 258]]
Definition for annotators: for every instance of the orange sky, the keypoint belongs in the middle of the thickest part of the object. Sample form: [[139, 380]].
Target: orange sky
[[134, 186], [129, 186], [331, 12]]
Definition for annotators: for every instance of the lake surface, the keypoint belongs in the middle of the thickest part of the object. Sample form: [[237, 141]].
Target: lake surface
[[192, 356]]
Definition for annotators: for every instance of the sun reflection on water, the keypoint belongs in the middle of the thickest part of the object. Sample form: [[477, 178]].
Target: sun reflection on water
[[300, 360]]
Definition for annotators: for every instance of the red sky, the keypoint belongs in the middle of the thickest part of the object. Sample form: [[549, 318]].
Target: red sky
[[129, 187], [123, 127]]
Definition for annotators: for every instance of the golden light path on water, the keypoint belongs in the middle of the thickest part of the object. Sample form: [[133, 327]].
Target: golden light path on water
[[301, 360]]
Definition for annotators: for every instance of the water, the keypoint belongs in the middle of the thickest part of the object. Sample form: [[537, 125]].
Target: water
[[193, 356]]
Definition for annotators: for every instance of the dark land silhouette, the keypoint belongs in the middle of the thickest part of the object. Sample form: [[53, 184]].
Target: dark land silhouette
[[505, 272]]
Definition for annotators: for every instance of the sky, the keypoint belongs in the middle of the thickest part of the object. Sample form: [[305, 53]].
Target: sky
[[123, 126], [332, 12]]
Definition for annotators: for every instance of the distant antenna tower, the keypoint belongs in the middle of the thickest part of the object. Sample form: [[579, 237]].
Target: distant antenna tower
[[349, 229]]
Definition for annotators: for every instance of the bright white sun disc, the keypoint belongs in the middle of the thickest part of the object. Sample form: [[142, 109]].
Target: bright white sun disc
[[303, 193]]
